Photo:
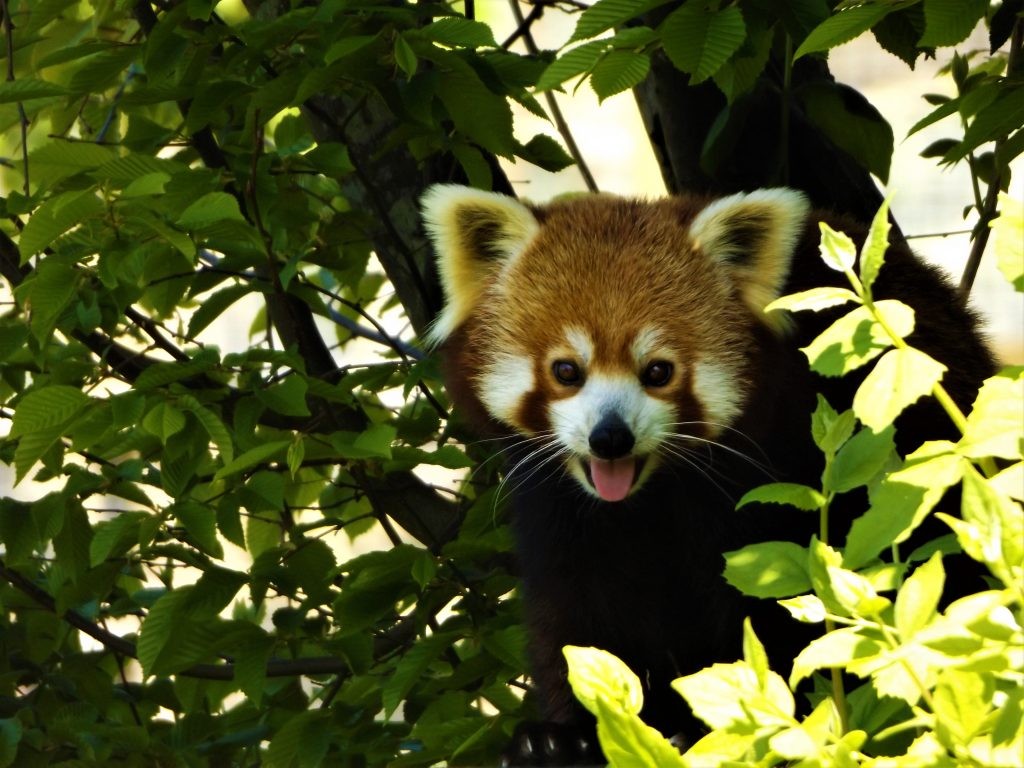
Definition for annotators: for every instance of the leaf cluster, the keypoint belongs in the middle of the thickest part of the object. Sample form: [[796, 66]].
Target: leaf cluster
[[942, 686]]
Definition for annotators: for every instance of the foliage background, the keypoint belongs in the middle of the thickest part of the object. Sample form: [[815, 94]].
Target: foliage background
[[175, 595]]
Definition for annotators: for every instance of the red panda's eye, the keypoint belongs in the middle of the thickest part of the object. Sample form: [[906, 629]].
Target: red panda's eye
[[566, 372], [657, 374]]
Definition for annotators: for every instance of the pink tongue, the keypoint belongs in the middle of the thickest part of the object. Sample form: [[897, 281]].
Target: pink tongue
[[613, 477]]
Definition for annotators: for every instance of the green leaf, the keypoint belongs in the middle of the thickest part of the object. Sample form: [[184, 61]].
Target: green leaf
[[374, 443], [918, 598], [855, 593], [628, 742], [55, 217], [994, 423], [860, 460], [699, 40], [948, 22], [545, 152], [302, 742], [346, 46], [806, 608], [580, 59], [10, 736], [412, 667], [899, 379], [27, 88], [834, 649], [793, 494], [814, 299], [837, 249], [857, 338], [113, 538], [201, 523], [405, 56], [478, 113], [1008, 237], [842, 27], [829, 429], [873, 253], [59, 160], [730, 696], [617, 72], [164, 421], [459, 32], [768, 569], [287, 397], [43, 409], [993, 122], [598, 675], [606, 14], [209, 209], [251, 458]]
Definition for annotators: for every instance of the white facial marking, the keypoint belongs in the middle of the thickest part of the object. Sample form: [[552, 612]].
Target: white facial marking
[[580, 342], [720, 393], [647, 345], [504, 383]]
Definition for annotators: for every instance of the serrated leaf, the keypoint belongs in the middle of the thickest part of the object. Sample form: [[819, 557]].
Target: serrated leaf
[[43, 409], [115, 537], [58, 160], [699, 40], [55, 217], [842, 27], [899, 379], [857, 338], [768, 569], [617, 72], [405, 56], [27, 88], [545, 152], [872, 255], [606, 14], [814, 299], [580, 59], [478, 113], [793, 494], [994, 121], [837, 249], [948, 22]]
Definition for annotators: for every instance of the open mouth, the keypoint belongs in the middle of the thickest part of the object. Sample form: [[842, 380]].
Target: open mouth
[[613, 479]]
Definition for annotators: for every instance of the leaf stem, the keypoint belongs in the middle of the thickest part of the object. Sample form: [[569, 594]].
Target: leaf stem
[[838, 687]]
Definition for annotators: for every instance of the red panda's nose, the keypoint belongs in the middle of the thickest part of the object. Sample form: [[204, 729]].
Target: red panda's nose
[[611, 438]]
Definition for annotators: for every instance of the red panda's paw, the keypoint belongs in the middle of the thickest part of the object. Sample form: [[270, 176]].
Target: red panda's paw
[[552, 744]]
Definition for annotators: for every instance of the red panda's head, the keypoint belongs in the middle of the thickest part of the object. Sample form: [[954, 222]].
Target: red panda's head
[[608, 325]]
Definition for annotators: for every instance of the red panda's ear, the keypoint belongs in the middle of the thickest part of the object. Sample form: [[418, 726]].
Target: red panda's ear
[[753, 236], [475, 234]]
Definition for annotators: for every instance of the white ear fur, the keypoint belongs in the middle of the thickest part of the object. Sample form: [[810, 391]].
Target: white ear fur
[[753, 236], [475, 234]]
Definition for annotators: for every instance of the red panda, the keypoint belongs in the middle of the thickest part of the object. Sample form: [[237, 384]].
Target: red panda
[[626, 344]]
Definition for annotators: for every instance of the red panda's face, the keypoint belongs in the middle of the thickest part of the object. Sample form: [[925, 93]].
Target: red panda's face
[[609, 331]]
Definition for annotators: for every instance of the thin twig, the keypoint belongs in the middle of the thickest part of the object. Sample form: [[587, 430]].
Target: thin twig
[[556, 112], [987, 211]]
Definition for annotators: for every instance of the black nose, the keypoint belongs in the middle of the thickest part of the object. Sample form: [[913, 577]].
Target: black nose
[[611, 438]]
